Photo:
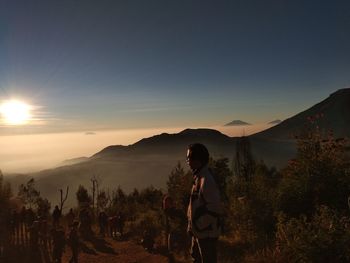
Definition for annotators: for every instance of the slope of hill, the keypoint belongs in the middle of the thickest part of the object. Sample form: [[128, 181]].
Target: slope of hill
[[74, 161], [275, 122], [332, 113]]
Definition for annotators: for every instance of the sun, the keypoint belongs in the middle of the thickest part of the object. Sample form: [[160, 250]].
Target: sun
[[15, 112]]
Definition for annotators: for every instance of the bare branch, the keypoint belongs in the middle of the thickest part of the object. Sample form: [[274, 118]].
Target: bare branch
[[63, 199]]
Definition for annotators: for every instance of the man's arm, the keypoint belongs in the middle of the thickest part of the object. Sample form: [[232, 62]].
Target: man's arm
[[211, 195]]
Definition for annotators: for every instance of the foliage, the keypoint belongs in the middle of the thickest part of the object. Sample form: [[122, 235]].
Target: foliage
[[119, 197], [83, 196], [151, 198], [5, 195], [319, 175], [323, 238], [251, 214], [5, 192], [222, 175], [43, 207], [243, 163], [28, 193], [31, 196], [151, 221], [102, 200], [179, 186], [311, 193]]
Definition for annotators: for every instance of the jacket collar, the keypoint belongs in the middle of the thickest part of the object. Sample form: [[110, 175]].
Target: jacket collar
[[199, 172]]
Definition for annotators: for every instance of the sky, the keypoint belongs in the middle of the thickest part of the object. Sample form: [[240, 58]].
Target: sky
[[143, 65]]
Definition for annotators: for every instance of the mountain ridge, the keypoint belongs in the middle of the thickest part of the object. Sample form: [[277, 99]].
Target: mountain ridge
[[332, 113]]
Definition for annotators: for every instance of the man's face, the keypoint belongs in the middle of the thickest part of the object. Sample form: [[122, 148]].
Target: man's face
[[194, 164]]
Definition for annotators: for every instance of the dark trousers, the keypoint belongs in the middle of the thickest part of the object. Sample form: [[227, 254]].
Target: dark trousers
[[204, 250]]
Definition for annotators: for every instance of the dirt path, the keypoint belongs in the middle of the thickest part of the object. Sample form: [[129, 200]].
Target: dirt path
[[108, 250]]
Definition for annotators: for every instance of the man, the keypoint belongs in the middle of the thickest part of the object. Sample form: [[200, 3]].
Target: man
[[103, 222], [73, 240], [70, 217], [120, 223], [204, 208], [58, 243], [56, 215]]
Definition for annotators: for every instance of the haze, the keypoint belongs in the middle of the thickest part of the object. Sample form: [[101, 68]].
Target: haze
[[28, 153]]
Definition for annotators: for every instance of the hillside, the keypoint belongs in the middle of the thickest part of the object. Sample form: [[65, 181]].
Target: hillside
[[333, 114]]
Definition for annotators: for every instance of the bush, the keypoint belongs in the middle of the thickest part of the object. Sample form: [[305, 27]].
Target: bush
[[151, 221], [323, 238], [319, 175], [251, 215]]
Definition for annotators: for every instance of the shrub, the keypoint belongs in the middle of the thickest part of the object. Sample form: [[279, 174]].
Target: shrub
[[323, 238], [319, 175]]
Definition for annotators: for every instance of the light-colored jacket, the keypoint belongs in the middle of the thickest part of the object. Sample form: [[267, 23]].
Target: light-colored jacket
[[205, 206]]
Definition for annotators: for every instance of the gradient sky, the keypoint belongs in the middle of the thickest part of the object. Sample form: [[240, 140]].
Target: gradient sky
[[88, 65]]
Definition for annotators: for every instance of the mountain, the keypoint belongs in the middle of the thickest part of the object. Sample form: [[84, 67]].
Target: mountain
[[237, 123], [333, 114], [170, 144], [74, 161], [275, 122]]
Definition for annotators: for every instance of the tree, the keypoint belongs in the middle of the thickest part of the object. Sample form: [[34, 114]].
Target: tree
[[95, 189], [5, 195], [319, 175], [5, 190], [151, 197], [63, 199], [179, 186], [83, 196], [28, 193], [243, 162], [134, 196], [43, 206], [102, 200], [222, 175], [31, 196]]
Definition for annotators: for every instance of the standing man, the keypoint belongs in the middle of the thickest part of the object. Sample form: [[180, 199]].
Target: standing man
[[58, 244], [204, 208], [103, 222], [56, 215], [73, 240]]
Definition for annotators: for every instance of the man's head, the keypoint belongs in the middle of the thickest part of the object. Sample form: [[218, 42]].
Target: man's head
[[197, 156]]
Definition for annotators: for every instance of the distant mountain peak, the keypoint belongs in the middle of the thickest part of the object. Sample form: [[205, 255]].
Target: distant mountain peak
[[199, 131], [237, 123]]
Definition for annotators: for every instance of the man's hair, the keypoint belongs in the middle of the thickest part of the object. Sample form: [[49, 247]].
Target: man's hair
[[199, 152]]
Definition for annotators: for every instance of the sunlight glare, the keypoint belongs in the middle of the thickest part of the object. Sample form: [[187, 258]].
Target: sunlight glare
[[15, 112]]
